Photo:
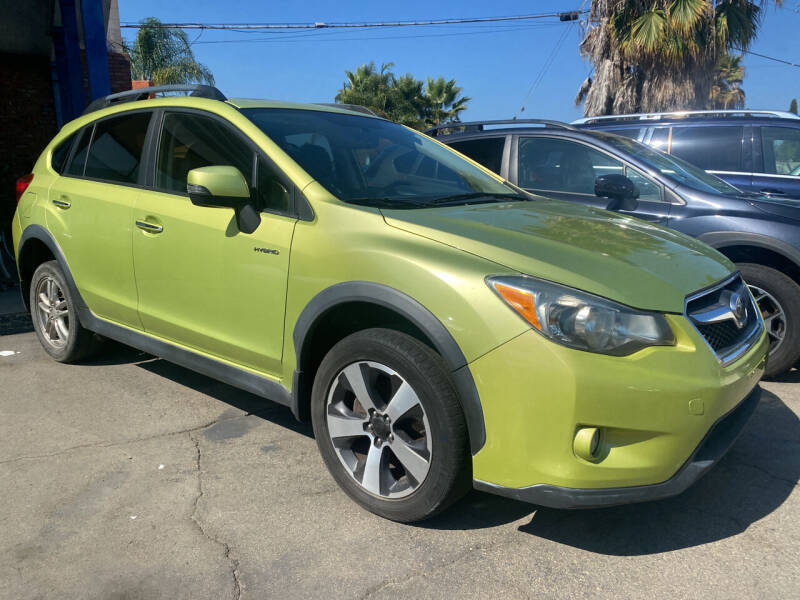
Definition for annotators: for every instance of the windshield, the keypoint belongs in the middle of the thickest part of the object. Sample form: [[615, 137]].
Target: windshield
[[371, 161], [671, 166]]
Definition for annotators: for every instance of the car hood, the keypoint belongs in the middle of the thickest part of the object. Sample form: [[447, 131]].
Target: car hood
[[618, 257], [780, 207]]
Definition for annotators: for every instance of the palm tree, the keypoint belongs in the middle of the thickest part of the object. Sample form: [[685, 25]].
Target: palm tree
[[164, 56], [408, 100], [652, 55], [726, 91], [367, 87], [444, 104]]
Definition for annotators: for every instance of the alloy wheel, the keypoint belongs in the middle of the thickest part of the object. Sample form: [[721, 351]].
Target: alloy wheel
[[52, 312], [774, 317], [379, 429]]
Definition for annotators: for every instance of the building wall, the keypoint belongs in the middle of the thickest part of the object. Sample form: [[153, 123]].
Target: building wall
[[119, 68], [27, 121]]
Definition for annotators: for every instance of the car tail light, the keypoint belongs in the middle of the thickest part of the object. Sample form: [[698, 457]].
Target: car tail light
[[22, 185]]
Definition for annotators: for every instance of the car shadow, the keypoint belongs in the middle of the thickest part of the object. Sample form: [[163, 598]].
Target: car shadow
[[115, 354], [753, 480]]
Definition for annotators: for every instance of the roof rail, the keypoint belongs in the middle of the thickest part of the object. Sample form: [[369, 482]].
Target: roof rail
[[353, 107], [747, 112], [195, 89], [481, 124]]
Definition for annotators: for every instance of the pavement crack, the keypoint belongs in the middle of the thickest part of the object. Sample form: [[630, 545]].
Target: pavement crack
[[107, 444], [237, 585]]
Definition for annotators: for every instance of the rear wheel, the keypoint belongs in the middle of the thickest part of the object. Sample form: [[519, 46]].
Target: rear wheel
[[389, 425], [778, 299], [55, 318]]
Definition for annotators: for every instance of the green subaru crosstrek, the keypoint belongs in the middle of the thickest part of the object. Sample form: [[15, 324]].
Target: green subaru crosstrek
[[441, 328]]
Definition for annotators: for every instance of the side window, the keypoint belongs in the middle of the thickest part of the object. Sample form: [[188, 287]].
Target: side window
[[59, 158], [710, 148], [271, 194], [660, 139], [486, 151], [189, 141], [116, 150], [632, 132], [781, 149], [78, 161], [562, 165], [648, 190]]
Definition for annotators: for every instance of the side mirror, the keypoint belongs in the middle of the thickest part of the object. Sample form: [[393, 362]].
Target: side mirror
[[223, 187], [621, 191]]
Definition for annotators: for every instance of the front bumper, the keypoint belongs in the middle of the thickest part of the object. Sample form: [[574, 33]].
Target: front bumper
[[713, 447], [655, 411]]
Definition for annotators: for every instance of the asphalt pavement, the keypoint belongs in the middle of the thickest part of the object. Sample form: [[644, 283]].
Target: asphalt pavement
[[129, 477]]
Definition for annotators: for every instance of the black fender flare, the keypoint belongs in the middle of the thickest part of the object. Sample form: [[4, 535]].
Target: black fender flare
[[41, 234], [416, 313], [723, 239]]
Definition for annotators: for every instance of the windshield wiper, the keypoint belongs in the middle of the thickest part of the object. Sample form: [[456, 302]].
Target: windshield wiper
[[477, 198], [388, 202]]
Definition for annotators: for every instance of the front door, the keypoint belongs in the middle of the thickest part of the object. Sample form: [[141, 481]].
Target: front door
[[566, 170], [203, 283], [778, 155]]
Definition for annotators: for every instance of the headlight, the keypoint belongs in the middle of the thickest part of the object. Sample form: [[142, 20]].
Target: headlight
[[581, 320]]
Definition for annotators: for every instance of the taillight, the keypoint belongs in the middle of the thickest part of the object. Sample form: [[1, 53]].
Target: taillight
[[22, 185]]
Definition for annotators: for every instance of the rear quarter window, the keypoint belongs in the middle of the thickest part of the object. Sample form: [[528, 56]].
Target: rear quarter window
[[58, 160]]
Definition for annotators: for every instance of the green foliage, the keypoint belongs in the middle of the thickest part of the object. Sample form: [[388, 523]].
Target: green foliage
[[403, 99], [654, 55], [793, 106], [164, 56], [726, 91]]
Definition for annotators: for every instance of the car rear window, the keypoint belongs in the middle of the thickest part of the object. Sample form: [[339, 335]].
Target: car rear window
[[486, 151], [116, 149]]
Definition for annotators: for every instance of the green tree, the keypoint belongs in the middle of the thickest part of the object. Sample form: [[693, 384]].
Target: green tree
[[404, 99], [164, 56], [793, 106], [445, 104], [653, 55], [726, 90]]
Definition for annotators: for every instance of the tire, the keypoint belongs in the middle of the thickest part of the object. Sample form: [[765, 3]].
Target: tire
[[55, 318], [424, 418], [778, 297]]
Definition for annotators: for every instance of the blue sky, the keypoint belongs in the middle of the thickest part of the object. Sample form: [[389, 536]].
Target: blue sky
[[496, 64]]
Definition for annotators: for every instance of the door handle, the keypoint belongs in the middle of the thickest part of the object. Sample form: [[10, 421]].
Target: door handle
[[149, 227], [772, 192], [62, 203]]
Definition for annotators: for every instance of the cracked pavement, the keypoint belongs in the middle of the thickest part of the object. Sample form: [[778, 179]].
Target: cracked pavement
[[129, 477]]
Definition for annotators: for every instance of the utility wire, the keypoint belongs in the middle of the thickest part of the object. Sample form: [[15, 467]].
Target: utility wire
[[571, 15], [780, 60]]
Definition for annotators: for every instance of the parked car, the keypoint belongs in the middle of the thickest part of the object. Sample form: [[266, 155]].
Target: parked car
[[760, 234], [442, 328], [757, 151]]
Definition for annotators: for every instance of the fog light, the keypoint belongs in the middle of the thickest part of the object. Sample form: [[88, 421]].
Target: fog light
[[586, 443]]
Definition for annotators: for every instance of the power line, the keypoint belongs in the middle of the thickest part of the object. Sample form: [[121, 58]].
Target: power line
[[780, 60], [566, 16], [302, 37]]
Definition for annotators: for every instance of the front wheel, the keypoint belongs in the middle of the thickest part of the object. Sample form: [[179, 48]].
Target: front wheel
[[778, 299], [389, 425]]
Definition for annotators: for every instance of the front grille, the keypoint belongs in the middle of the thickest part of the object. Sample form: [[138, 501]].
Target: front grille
[[727, 318]]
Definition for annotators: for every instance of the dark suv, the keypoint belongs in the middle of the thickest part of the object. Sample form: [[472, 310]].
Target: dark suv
[[759, 233], [757, 151]]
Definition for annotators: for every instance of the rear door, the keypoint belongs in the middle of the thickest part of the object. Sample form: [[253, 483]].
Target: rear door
[[723, 149], [777, 171], [566, 169], [91, 208], [203, 283]]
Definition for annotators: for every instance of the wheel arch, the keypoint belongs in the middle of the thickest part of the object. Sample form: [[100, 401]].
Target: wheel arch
[[756, 248], [36, 245], [345, 308]]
